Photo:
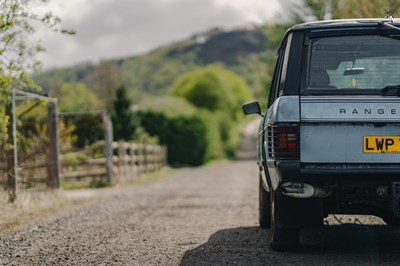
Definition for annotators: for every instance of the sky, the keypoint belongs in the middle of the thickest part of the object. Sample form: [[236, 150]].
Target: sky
[[108, 29]]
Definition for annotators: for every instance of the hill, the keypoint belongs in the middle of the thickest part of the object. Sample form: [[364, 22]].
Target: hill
[[246, 52]]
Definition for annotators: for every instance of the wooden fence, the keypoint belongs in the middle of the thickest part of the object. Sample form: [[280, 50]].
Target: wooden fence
[[31, 157], [127, 162], [130, 160]]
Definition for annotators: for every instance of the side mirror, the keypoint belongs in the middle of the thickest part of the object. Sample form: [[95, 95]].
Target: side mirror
[[251, 108]]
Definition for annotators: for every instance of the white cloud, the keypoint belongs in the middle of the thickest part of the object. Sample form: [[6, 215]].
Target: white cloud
[[72, 9], [258, 11], [116, 28]]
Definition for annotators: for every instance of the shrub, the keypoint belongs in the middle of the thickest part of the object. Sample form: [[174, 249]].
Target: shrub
[[222, 93], [190, 140]]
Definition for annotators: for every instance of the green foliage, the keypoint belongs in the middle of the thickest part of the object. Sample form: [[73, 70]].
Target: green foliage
[[32, 128], [89, 130], [52, 80], [94, 183], [99, 183], [167, 104], [215, 145], [341, 9], [18, 55], [215, 89], [154, 72], [125, 121], [155, 123], [86, 129], [187, 137], [104, 81], [3, 122], [76, 97], [87, 123], [75, 158], [317, 8], [222, 93], [275, 32], [365, 8]]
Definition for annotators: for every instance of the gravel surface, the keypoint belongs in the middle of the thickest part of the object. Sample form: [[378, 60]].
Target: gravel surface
[[199, 216]]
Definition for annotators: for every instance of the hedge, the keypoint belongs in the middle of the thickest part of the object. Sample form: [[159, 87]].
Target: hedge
[[188, 138]]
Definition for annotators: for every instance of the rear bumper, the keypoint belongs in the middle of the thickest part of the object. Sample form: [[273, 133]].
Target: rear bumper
[[358, 188], [293, 170]]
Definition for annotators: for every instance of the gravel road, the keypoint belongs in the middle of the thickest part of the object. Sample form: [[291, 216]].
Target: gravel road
[[199, 216]]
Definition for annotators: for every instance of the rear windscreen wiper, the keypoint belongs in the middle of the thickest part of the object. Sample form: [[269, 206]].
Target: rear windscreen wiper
[[389, 88], [388, 25], [388, 22]]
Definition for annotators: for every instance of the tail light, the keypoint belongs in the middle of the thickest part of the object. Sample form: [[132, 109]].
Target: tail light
[[284, 142]]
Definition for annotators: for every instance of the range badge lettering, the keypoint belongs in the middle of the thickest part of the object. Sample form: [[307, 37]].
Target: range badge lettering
[[381, 144]]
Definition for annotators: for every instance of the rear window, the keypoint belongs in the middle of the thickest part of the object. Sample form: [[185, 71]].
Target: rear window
[[354, 62]]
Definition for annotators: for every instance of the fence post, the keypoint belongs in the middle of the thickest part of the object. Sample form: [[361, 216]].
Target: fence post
[[165, 155], [108, 150], [115, 160], [53, 167], [133, 161], [12, 160], [121, 160]]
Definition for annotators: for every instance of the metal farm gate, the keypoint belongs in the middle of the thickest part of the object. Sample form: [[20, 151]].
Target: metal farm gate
[[28, 142]]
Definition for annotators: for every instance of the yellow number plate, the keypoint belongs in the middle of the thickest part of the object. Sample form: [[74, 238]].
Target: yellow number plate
[[381, 144]]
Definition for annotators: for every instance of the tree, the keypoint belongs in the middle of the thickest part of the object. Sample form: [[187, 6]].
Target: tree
[[365, 8], [220, 92], [214, 88], [125, 122], [76, 97], [17, 58], [191, 139], [104, 80], [17, 55], [341, 9]]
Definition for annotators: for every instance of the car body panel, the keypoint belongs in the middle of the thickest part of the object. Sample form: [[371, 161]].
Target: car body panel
[[286, 109], [333, 128], [350, 109]]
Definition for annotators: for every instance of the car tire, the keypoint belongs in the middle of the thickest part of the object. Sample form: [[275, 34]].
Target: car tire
[[264, 207], [282, 239]]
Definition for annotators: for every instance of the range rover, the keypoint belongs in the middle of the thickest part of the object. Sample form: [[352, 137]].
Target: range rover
[[329, 141]]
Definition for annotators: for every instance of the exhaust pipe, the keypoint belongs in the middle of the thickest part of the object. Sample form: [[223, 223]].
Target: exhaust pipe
[[303, 190]]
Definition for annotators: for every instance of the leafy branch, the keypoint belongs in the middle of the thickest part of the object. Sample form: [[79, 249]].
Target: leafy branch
[[17, 54]]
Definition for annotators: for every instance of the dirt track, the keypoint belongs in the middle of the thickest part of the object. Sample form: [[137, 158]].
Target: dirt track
[[203, 216]]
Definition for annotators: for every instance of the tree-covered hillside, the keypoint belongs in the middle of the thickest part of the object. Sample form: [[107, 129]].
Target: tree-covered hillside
[[244, 51]]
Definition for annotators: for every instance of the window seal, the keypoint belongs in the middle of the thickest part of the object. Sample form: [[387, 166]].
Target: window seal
[[307, 92]]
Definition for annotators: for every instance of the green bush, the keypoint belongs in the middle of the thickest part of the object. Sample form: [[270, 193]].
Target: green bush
[[187, 140], [167, 104], [214, 88], [222, 93], [215, 145], [209, 128], [191, 140], [87, 129]]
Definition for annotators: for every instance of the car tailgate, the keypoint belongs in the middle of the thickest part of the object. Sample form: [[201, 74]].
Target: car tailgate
[[350, 129]]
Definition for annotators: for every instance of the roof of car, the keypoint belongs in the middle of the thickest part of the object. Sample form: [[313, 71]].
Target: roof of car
[[344, 23]]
